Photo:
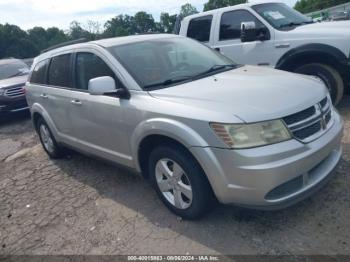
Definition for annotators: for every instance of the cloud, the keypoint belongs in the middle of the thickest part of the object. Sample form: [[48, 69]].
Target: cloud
[[47, 13]]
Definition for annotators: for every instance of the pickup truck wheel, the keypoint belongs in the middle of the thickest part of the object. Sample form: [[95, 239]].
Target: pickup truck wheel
[[180, 182], [328, 75], [48, 141]]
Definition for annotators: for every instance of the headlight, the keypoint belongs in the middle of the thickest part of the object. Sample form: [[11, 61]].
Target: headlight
[[252, 135], [2, 91]]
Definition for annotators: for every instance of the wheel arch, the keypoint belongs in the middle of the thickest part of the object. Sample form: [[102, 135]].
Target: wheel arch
[[151, 133], [308, 53], [37, 112]]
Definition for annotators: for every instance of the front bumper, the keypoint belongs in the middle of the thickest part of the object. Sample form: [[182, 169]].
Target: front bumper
[[13, 105], [274, 176]]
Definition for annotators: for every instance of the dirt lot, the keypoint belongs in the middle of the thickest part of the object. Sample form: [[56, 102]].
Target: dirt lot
[[83, 206]]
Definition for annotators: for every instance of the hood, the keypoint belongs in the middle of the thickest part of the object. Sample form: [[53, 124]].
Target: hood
[[250, 93], [13, 81], [328, 28]]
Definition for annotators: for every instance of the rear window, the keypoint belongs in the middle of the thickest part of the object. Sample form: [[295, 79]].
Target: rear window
[[39, 73], [199, 28], [60, 71]]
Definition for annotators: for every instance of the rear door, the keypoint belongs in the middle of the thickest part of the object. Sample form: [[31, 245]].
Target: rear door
[[56, 95], [227, 39]]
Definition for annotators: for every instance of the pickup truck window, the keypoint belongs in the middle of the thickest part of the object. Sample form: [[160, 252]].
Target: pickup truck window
[[281, 16], [230, 25], [199, 28]]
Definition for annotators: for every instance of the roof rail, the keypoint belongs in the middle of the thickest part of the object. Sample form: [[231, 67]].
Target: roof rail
[[77, 41]]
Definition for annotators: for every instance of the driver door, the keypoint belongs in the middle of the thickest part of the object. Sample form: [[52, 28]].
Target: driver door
[[227, 39], [98, 120]]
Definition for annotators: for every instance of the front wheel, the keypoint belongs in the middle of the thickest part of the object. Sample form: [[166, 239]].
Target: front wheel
[[328, 75], [180, 182]]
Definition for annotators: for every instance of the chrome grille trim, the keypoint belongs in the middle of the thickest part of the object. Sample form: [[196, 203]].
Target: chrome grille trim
[[14, 91], [322, 116]]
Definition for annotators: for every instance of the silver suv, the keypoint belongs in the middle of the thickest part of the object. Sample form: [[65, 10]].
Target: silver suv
[[199, 126]]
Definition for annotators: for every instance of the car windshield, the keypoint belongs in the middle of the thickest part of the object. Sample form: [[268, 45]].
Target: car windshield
[[281, 16], [12, 69], [168, 61]]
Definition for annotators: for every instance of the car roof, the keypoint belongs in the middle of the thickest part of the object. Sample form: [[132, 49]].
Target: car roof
[[105, 43]]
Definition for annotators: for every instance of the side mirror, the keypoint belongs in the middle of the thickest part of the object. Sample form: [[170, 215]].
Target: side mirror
[[102, 85], [248, 32]]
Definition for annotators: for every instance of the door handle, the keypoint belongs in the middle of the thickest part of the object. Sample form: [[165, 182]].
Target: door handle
[[217, 49], [44, 96], [76, 102]]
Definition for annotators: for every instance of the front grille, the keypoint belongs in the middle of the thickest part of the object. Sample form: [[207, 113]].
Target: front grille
[[14, 91], [300, 116], [312, 122], [308, 131]]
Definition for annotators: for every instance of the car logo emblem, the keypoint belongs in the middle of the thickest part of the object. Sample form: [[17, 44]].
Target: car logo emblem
[[322, 117]]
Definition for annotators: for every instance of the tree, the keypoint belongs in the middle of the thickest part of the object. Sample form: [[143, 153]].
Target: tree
[[167, 23], [214, 4], [38, 36], [307, 6], [188, 9], [120, 25], [144, 23], [93, 27], [76, 31], [55, 36], [14, 42]]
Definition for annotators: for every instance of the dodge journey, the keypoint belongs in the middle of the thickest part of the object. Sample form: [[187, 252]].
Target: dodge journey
[[198, 126]]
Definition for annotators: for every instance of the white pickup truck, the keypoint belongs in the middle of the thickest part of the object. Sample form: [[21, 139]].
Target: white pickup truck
[[275, 35]]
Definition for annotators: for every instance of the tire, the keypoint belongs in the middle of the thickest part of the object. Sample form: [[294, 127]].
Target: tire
[[328, 75], [48, 141], [191, 204]]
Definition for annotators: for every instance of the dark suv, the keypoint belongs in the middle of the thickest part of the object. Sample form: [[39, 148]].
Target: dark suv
[[13, 76]]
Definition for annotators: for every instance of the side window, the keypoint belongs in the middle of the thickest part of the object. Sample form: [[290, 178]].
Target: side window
[[199, 28], [89, 66], [60, 71], [38, 75], [230, 25]]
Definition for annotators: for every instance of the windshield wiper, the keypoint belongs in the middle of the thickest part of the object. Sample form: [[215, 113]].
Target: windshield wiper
[[185, 78], [214, 68], [169, 81]]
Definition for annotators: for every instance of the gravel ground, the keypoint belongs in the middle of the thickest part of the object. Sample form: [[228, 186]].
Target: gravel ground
[[84, 206]]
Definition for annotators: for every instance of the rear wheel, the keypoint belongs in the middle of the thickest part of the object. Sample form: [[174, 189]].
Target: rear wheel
[[180, 182], [328, 75], [47, 140]]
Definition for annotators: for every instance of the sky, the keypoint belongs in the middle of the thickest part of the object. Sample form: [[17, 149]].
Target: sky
[[59, 13]]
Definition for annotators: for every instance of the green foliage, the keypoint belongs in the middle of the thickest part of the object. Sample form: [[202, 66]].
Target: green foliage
[[214, 4], [167, 23], [307, 6], [188, 9]]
